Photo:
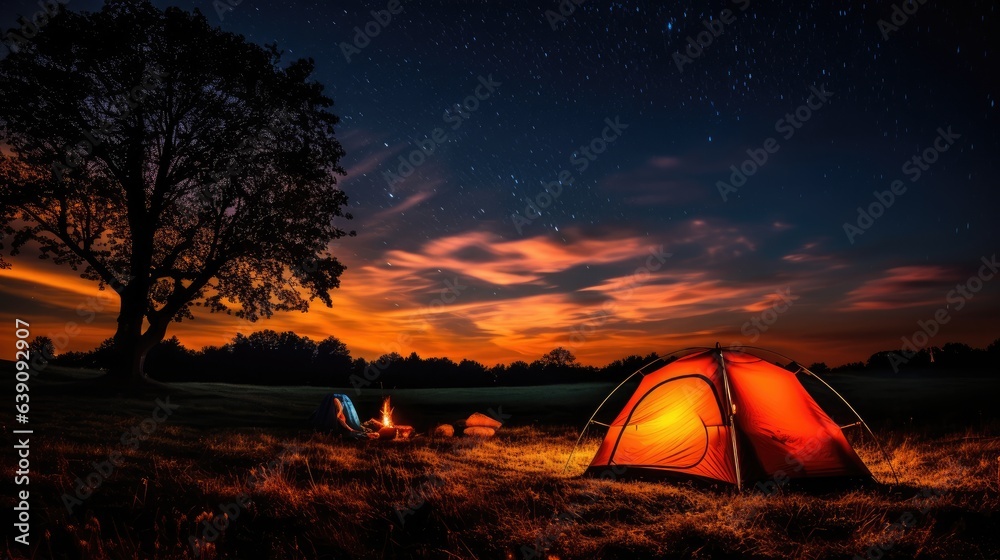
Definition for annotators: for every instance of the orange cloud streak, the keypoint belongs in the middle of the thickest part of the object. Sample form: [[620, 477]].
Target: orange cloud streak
[[901, 287], [476, 295]]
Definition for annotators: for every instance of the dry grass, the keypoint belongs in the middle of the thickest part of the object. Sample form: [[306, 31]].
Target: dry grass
[[315, 496], [504, 497]]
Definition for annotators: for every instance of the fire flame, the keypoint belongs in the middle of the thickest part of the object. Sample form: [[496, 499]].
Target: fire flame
[[386, 414]]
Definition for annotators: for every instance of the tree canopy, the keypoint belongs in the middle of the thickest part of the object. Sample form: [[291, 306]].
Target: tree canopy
[[173, 162]]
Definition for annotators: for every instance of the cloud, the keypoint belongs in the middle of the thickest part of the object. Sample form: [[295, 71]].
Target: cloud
[[900, 287], [665, 162], [477, 294], [661, 180], [405, 204], [712, 239], [808, 253], [57, 303], [487, 257]]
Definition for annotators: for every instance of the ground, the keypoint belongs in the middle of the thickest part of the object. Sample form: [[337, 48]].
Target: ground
[[234, 472]]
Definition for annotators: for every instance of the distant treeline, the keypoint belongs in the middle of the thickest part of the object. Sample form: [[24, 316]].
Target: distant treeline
[[272, 358]]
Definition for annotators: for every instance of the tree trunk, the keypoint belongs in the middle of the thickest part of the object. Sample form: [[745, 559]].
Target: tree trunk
[[130, 346]]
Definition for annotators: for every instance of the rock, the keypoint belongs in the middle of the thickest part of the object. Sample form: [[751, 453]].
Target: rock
[[478, 420], [479, 431], [444, 431]]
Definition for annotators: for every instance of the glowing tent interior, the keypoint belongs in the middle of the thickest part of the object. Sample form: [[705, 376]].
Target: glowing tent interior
[[726, 415]]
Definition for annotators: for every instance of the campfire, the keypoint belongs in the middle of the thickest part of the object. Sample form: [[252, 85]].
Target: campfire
[[386, 414], [388, 429]]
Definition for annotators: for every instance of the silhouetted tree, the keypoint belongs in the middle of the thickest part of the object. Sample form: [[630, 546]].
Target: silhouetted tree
[[558, 357], [625, 366], [955, 355], [271, 357], [792, 366], [332, 364], [471, 373], [922, 359], [517, 373], [880, 361], [496, 374], [43, 347], [100, 357], [394, 357], [332, 347], [174, 162], [170, 360], [358, 366], [435, 372], [819, 367], [215, 363], [852, 366], [332, 352]]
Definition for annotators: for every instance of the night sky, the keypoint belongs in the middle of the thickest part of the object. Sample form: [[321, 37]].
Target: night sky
[[650, 245]]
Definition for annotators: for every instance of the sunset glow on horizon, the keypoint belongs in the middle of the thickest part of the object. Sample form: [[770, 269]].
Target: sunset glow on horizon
[[478, 296]]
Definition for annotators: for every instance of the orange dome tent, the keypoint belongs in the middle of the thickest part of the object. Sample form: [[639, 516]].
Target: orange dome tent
[[723, 414]]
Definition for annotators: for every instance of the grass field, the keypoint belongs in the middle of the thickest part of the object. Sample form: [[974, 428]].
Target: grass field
[[243, 458]]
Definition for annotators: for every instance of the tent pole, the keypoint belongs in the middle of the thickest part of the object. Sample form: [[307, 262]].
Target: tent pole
[[732, 418], [615, 390], [860, 419], [591, 419]]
